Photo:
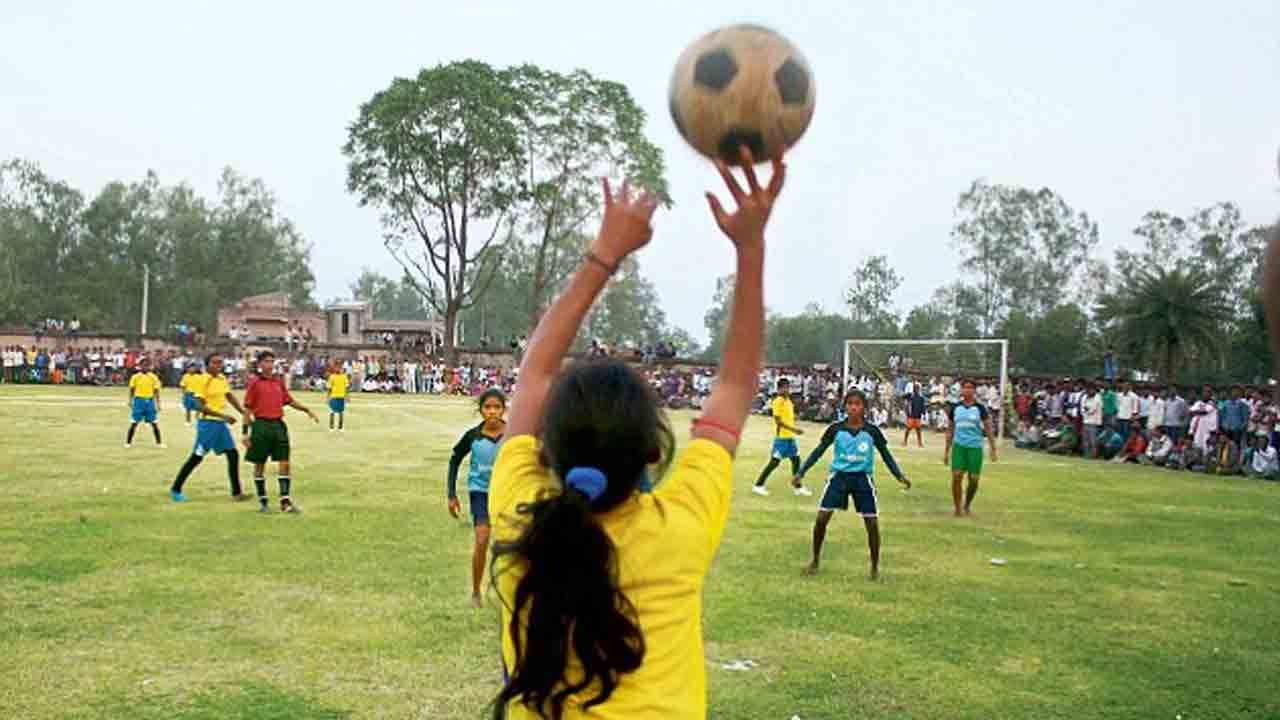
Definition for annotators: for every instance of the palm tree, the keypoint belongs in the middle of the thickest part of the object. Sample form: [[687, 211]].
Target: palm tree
[[1167, 316]]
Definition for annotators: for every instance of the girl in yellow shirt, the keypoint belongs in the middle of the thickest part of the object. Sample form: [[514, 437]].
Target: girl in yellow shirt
[[600, 583]]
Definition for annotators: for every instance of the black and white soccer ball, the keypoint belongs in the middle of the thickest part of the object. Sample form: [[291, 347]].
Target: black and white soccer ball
[[741, 85]]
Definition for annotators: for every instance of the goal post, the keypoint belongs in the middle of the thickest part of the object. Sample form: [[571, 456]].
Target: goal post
[[942, 360]]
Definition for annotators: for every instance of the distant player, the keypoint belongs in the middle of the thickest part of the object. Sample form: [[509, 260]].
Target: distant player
[[144, 401], [917, 406], [192, 379], [212, 435], [969, 423], [481, 443], [337, 383], [784, 441], [266, 399], [852, 469]]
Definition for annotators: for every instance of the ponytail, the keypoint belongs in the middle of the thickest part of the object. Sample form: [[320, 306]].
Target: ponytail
[[570, 593]]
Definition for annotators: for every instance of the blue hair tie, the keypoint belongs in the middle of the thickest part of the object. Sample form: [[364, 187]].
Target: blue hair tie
[[589, 481]]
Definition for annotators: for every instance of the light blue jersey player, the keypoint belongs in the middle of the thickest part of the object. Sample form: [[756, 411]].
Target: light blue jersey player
[[852, 475]]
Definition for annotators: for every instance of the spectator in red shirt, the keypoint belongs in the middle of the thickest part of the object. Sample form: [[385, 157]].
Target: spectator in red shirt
[[268, 436]]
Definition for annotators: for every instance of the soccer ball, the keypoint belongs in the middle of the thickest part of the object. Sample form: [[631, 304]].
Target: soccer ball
[[741, 85]]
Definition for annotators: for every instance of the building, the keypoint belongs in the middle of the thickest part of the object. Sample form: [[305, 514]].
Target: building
[[267, 317]]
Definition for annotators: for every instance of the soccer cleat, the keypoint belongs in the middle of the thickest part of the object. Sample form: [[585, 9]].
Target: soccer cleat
[[176, 496], [265, 509], [163, 446], [287, 506], [332, 430], [760, 490], [128, 445], [802, 491]]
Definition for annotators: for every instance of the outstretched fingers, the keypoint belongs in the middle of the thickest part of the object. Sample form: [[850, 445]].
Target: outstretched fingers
[[730, 182]]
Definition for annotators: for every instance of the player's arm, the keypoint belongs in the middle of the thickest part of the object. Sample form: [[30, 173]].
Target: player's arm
[[291, 402], [159, 387], [988, 430], [828, 437], [950, 436], [783, 426], [625, 229], [882, 445], [129, 402], [460, 452], [245, 414], [726, 409]]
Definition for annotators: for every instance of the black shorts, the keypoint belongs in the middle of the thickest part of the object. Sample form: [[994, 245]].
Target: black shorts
[[841, 486], [268, 440]]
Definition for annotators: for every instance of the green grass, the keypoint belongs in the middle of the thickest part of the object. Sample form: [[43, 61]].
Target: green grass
[[1117, 600]]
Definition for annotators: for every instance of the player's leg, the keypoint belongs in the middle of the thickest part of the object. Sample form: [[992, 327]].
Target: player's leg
[[919, 434], [286, 481], [260, 483], [128, 438], [280, 451], [479, 503], [873, 544], [175, 491], [819, 537], [233, 474], [155, 430], [970, 492], [906, 435], [957, 489], [867, 505], [764, 475]]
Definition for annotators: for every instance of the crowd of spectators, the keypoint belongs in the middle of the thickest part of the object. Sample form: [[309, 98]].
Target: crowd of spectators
[[1231, 432]]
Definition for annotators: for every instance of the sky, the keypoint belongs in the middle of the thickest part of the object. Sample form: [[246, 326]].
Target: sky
[[1121, 107]]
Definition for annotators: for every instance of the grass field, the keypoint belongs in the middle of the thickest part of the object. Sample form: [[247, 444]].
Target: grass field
[[1128, 593]]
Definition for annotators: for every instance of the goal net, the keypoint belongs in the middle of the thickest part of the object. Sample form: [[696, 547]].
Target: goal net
[[892, 366]]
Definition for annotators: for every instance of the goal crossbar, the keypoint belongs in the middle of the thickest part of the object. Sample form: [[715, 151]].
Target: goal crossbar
[[851, 349]]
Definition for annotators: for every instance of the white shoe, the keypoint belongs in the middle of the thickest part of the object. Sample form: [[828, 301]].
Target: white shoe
[[332, 430], [802, 491], [762, 492], [163, 446], [128, 445]]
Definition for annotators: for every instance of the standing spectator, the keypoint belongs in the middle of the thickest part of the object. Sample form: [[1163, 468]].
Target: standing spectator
[[1155, 417], [1109, 405], [1126, 409], [1091, 415], [1175, 414], [1204, 420], [75, 326], [1109, 367], [1144, 410], [1235, 416]]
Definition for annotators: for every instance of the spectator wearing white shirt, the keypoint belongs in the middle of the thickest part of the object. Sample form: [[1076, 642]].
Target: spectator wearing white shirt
[[1262, 461], [1175, 414], [1155, 415], [1144, 410], [1091, 414], [1204, 420], [1126, 409], [1158, 449]]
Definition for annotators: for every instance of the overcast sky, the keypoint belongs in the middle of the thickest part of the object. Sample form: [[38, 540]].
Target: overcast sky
[[1122, 107]]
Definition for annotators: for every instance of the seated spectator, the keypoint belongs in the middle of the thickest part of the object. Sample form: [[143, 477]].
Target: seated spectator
[[1067, 443], [1158, 450], [1110, 443], [369, 385], [1027, 437], [1133, 448], [1262, 461], [1228, 454], [1177, 459]]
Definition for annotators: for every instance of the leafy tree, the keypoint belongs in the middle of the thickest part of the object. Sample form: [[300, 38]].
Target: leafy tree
[[813, 336], [870, 296], [717, 315], [1037, 343], [440, 155], [389, 300], [1020, 243], [1167, 317], [575, 128]]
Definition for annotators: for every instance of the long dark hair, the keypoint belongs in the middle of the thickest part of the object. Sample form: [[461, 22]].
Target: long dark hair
[[600, 415]]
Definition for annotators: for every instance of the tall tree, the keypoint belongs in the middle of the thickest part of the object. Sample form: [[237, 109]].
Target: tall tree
[[717, 315], [39, 229], [440, 155], [1020, 243], [870, 296], [389, 299], [575, 128], [1165, 317]]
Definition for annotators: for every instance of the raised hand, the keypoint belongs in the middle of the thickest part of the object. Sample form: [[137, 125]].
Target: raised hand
[[745, 226], [627, 223]]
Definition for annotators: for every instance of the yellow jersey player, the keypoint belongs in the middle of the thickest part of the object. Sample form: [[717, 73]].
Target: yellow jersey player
[[784, 441], [337, 383], [144, 401]]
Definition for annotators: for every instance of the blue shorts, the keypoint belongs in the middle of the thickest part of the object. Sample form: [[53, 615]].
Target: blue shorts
[[189, 402], [144, 410], [479, 507], [337, 405], [840, 486], [213, 436], [785, 448]]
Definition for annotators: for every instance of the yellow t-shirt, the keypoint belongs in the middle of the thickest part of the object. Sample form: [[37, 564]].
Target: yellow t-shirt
[[191, 382], [688, 511], [784, 410], [144, 385], [214, 392], [338, 386]]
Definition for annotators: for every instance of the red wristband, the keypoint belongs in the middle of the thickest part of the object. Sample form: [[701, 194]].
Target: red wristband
[[713, 424]]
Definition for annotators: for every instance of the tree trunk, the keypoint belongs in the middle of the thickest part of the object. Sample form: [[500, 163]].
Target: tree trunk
[[450, 334]]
